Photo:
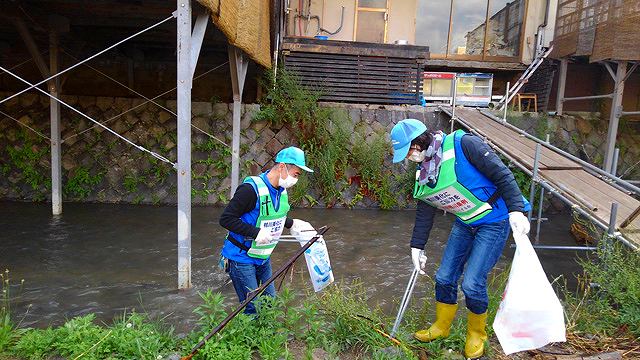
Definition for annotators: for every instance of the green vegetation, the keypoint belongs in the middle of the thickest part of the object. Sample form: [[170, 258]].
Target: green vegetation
[[216, 164], [131, 182], [325, 135], [375, 179], [26, 157], [607, 302], [340, 320], [82, 183], [131, 336]]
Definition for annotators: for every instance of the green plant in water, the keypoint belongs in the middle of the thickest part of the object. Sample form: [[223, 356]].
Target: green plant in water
[[82, 183]]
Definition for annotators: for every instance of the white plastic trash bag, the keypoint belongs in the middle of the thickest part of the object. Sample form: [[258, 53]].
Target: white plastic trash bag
[[318, 264], [530, 314]]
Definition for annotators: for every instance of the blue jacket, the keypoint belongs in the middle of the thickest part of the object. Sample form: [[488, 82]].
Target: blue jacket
[[477, 166], [231, 251]]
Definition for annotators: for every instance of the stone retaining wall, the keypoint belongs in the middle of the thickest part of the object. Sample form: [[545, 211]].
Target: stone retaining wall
[[98, 167]]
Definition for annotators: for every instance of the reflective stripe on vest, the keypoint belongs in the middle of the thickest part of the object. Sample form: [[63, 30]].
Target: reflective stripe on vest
[[269, 218], [449, 194]]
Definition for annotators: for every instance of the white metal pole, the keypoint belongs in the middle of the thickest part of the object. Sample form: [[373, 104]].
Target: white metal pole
[[453, 101], [614, 166], [56, 149], [238, 65], [506, 103], [534, 178], [539, 219], [184, 79], [614, 117]]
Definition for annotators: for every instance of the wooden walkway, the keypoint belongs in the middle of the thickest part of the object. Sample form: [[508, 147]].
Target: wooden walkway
[[585, 189]]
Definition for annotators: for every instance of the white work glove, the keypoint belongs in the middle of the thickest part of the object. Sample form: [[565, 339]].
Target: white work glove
[[519, 223], [302, 230], [419, 260], [264, 237]]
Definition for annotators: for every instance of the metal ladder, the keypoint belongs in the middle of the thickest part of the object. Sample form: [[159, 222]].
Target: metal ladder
[[524, 78]]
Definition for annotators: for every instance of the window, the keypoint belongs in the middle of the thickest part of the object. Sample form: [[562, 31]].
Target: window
[[503, 33], [432, 25], [371, 21], [467, 27], [473, 29]]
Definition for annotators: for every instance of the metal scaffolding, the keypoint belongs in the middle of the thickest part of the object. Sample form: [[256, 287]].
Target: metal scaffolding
[[577, 206], [619, 77]]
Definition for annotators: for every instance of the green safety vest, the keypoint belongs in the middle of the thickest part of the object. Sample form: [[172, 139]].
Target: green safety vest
[[449, 194], [269, 218]]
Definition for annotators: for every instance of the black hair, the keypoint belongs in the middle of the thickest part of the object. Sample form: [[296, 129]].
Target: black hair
[[423, 140]]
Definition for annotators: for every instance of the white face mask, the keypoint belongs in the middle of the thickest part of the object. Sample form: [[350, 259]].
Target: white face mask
[[287, 182], [418, 156]]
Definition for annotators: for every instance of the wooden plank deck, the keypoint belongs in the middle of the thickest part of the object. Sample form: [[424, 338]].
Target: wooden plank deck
[[591, 193]]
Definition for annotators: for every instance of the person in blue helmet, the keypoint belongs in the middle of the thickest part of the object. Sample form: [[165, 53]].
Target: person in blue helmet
[[460, 174], [255, 218]]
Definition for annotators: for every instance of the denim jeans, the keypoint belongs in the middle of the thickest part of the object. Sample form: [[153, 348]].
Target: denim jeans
[[477, 247], [247, 277]]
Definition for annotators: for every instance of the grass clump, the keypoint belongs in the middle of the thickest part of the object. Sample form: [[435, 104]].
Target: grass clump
[[131, 336], [341, 156], [607, 301]]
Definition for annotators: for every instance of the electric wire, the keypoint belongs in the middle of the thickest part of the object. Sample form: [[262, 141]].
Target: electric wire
[[144, 97], [25, 125], [139, 147], [89, 58], [143, 103]]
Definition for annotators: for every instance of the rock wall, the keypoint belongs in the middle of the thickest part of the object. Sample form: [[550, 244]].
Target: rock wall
[[99, 167]]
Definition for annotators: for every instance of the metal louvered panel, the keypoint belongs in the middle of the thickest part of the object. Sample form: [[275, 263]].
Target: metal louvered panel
[[371, 77]]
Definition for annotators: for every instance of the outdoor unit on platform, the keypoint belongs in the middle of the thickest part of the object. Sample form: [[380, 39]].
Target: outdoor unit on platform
[[438, 87], [474, 89]]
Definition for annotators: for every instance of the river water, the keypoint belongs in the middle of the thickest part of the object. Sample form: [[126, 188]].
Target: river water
[[105, 259]]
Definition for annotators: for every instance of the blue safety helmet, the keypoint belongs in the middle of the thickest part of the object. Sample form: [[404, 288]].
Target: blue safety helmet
[[401, 136], [292, 155]]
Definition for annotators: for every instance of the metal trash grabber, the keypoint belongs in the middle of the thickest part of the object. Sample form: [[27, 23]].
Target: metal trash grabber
[[405, 302], [252, 295]]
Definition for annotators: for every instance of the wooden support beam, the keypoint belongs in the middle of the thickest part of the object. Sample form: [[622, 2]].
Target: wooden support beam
[[32, 47], [562, 82]]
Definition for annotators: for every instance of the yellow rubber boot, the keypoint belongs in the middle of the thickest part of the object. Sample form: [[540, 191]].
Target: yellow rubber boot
[[440, 328], [476, 335]]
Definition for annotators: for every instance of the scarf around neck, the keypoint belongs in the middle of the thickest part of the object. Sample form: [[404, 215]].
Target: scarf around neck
[[430, 167]]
